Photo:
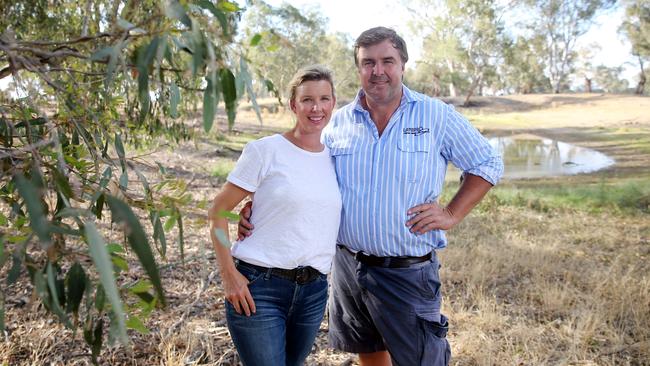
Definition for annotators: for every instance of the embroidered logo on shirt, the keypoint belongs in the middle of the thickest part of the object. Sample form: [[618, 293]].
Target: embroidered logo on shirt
[[417, 131]]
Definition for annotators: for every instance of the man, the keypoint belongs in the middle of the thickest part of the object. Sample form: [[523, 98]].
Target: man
[[391, 147]]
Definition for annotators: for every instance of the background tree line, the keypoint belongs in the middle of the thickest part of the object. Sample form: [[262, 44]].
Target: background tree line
[[94, 79], [468, 47]]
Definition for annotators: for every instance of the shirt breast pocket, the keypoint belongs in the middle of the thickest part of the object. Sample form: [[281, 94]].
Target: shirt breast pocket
[[344, 163], [413, 155]]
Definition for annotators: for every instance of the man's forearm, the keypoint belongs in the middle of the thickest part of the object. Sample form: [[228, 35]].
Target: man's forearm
[[472, 189]]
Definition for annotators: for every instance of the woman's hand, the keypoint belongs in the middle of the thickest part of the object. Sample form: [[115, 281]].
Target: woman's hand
[[235, 286]]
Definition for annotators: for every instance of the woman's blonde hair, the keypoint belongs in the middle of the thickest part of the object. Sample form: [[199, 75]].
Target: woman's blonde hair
[[310, 73]]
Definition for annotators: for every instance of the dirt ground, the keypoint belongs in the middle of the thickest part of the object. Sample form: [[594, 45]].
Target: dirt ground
[[192, 329]]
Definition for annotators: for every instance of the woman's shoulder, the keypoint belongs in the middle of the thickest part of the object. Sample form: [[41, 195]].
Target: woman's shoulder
[[265, 143]]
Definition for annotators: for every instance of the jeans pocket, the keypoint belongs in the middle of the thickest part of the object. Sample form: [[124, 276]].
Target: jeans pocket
[[436, 350], [251, 274]]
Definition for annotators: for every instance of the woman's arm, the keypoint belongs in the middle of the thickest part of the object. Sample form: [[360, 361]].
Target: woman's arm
[[235, 285]]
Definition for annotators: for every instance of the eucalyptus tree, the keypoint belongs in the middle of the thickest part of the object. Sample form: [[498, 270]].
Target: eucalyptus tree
[[636, 27], [286, 37], [338, 55], [427, 78], [562, 23], [523, 68], [441, 47], [609, 79], [463, 35], [104, 75], [584, 66]]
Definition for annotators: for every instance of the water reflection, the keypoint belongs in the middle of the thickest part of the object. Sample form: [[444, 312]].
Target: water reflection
[[530, 156]]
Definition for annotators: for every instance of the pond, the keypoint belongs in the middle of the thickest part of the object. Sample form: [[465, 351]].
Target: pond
[[531, 156]]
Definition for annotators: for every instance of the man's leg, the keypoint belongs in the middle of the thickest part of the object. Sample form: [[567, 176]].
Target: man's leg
[[381, 358], [405, 307], [350, 326]]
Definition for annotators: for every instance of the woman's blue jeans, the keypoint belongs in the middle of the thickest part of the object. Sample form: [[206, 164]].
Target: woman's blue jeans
[[288, 316]]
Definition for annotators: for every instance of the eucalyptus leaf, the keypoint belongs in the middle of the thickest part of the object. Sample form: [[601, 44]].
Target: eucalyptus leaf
[[175, 94], [174, 10], [38, 222], [124, 24], [119, 149], [137, 239], [209, 106], [159, 232], [16, 266], [76, 280], [54, 298], [228, 6], [104, 266], [115, 248], [169, 224], [136, 324], [124, 181], [101, 54], [221, 17], [3, 256], [181, 237], [229, 91], [245, 75], [223, 239], [228, 215], [256, 39], [140, 286]]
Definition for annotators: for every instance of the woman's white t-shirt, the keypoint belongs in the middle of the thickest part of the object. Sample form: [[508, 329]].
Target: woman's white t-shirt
[[296, 205]]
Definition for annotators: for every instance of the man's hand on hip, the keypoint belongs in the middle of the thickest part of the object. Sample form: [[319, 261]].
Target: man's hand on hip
[[245, 228], [430, 216]]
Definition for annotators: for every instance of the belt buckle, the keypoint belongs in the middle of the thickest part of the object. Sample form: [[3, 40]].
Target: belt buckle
[[302, 275]]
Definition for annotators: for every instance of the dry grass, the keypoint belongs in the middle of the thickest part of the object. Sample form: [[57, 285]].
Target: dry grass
[[555, 288], [523, 284]]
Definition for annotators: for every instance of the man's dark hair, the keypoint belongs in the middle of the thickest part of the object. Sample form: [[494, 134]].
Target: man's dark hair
[[377, 35]]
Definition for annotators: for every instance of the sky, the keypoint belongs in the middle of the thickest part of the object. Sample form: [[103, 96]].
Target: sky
[[355, 16]]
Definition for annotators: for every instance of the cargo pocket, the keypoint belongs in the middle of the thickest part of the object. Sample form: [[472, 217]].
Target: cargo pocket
[[436, 350]]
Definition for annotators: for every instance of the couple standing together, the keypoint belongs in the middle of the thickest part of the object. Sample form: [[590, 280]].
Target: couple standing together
[[360, 197]]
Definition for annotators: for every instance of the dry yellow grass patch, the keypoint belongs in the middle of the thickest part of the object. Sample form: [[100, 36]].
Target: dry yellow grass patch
[[557, 288]]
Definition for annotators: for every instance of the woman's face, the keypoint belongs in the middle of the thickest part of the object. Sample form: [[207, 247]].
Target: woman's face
[[313, 105]]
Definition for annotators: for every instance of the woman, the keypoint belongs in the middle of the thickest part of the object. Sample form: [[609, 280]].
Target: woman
[[275, 283]]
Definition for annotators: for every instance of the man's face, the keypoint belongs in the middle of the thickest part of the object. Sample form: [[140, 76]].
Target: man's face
[[381, 70]]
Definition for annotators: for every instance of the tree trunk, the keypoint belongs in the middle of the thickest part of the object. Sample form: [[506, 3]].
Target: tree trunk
[[556, 89], [471, 90], [452, 87], [587, 85], [641, 85], [435, 80]]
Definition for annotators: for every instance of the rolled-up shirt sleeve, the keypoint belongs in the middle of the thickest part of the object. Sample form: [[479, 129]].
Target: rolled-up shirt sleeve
[[468, 150]]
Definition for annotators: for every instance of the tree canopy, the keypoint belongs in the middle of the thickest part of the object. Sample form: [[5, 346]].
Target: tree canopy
[[90, 79], [637, 29]]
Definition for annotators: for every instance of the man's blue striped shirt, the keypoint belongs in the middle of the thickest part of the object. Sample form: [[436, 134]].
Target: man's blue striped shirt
[[381, 177]]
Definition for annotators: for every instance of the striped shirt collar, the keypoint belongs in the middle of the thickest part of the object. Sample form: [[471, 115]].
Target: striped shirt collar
[[407, 97]]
